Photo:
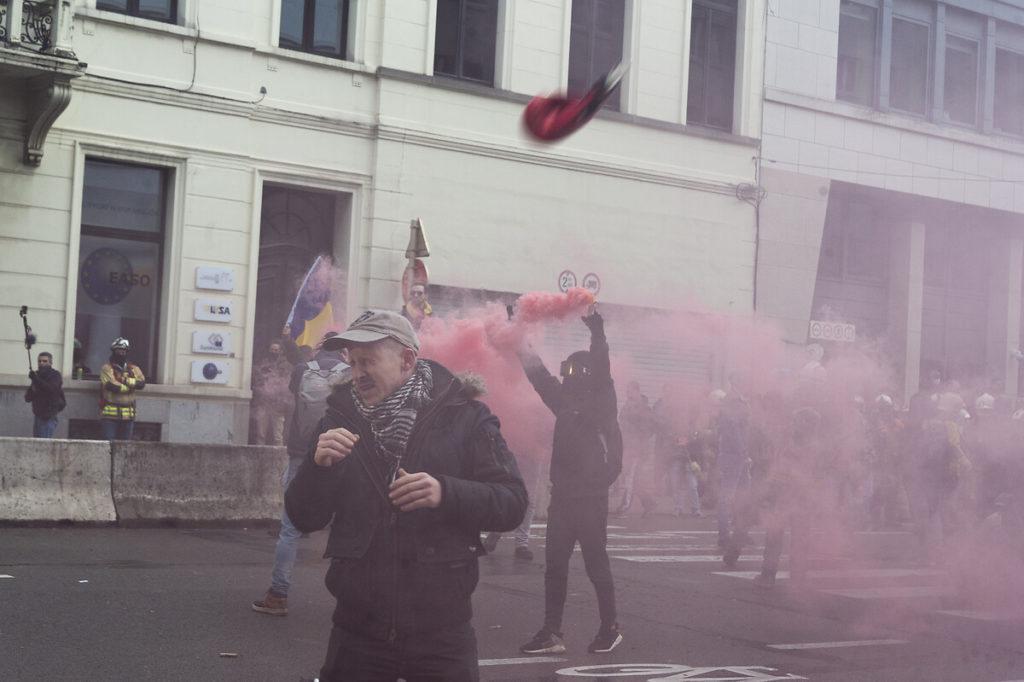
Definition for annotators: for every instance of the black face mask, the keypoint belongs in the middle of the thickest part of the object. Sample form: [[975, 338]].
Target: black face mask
[[117, 358]]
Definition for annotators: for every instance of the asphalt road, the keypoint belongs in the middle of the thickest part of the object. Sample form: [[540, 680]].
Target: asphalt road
[[165, 604]]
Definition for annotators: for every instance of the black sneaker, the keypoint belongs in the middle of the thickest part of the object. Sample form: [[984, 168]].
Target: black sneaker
[[544, 642], [606, 640], [524, 554]]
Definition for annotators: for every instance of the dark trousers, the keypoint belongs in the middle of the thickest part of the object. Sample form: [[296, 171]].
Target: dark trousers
[[570, 520], [443, 655]]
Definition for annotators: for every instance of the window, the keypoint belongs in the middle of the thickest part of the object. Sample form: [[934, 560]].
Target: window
[[854, 245], [712, 63], [855, 78], [119, 263], [466, 39], [909, 70], [595, 44], [961, 80], [317, 26], [159, 10], [1009, 92]]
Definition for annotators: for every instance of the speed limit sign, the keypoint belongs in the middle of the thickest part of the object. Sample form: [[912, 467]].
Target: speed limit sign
[[566, 280]]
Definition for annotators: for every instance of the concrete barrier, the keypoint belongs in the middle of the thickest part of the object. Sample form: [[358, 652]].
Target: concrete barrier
[[192, 482], [55, 480]]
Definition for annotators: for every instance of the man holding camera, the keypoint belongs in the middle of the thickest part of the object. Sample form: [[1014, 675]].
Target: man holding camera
[[46, 395]]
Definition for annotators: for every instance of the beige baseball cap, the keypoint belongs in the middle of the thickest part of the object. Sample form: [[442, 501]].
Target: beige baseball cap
[[374, 325]]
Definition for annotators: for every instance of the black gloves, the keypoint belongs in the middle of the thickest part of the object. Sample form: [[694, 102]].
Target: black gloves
[[594, 322], [32, 374]]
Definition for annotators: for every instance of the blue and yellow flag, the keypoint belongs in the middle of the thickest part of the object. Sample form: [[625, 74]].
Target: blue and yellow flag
[[311, 315]]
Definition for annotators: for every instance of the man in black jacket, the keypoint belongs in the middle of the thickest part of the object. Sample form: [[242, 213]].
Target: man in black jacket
[[46, 395], [586, 458], [412, 469]]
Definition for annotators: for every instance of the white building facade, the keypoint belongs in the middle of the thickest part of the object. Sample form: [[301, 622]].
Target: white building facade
[[893, 160], [170, 168]]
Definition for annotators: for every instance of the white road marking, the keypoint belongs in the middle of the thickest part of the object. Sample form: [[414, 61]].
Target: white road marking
[[685, 559], [663, 548], [6, 576], [902, 591], [983, 615], [847, 573], [838, 645], [520, 661]]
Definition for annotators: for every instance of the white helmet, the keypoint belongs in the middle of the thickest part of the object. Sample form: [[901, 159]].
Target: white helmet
[[120, 343]]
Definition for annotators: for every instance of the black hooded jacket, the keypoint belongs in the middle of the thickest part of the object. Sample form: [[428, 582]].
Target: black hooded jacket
[[46, 393], [586, 452], [396, 572]]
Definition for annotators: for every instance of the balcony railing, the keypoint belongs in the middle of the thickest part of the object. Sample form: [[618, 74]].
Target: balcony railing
[[35, 49], [42, 26]]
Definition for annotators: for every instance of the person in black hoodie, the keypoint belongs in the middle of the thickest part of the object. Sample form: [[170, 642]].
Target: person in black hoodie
[[46, 395], [412, 469], [586, 458]]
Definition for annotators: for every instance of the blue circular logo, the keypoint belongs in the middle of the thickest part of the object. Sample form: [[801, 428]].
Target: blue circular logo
[[106, 276], [210, 371]]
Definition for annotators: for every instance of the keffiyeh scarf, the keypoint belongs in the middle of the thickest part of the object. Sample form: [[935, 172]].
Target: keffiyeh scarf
[[391, 419]]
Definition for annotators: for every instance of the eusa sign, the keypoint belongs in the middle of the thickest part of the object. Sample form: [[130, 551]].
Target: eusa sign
[[671, 672]]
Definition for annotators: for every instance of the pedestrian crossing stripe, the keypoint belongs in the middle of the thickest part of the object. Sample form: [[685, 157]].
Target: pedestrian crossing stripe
[[520, 661], [837, 645], [684, 558]]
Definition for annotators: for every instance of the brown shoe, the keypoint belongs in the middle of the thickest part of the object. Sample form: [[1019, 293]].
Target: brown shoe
[[271, 604]]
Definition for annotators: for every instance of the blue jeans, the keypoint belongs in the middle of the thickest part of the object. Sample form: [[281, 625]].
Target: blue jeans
[[287, 540], [43, 428], [733, 481], [117, 429], [678, 469]]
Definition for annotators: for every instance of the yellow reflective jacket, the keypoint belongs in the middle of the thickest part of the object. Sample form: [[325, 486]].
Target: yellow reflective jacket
[[117, 391]]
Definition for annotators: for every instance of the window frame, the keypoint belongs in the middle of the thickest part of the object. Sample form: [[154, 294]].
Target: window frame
[[875, 56], [585, 33], [460, 30], [946, 22], [721, 7], [168, 181], [1019, 54], [308, 45], [132, 10], [929, 68]]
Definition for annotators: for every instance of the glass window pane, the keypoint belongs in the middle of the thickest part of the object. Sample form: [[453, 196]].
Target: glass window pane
[[446, 38], [328, 27], [909, 72], [292, 18], [581, 43], [122, 197], [479, 39], [595, 44], [855, 75], [712, 64], [1009, 92], [865, 250], [162, 10], [118, 295], [113, 5], [961, 80]]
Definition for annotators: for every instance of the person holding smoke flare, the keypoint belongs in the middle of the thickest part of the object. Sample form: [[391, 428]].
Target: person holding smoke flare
[[586, 458]]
